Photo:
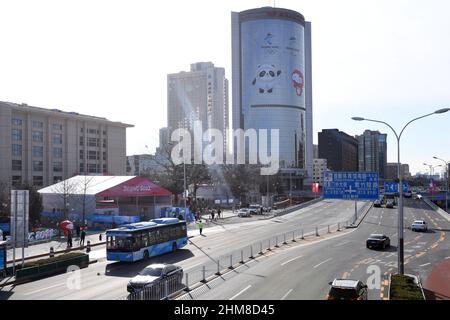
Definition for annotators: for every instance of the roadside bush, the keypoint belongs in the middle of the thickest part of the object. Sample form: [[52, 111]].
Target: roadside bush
[[404, 288], [65, 256]]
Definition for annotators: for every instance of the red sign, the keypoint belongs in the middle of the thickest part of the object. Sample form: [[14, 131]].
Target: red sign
[[137, 186], [315, 187]]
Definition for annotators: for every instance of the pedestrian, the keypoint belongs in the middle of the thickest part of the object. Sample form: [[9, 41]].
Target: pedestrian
[[82, 237], [69, 239], [212, 215], [78, 231], [200, 226], [218, 213]]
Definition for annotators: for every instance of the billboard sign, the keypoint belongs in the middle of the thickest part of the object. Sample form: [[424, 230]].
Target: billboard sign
[[392, 187], [19, 217], [351, 185], [273, 62]]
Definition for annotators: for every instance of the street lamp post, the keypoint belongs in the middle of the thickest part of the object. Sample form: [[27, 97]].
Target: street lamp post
[[446, 181], [431, 168], [401, 267]]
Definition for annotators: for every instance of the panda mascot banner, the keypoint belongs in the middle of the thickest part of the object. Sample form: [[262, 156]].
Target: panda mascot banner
[[272, 81]]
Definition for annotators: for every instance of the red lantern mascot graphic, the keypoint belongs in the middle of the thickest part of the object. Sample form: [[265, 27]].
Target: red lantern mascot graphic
[[298, 81]]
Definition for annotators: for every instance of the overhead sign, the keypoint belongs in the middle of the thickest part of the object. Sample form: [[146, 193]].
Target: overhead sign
[[351, 185], [392, 187]]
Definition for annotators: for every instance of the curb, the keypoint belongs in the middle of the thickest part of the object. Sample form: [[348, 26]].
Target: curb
[[56, 252], [361, 218]]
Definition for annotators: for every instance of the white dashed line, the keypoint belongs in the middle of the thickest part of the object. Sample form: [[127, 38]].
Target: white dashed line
[[425, 264], [240, 292], [322, 263], [284, 263], [287, 293]]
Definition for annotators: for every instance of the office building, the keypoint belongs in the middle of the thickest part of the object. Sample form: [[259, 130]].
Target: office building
[[43, 146], [198, 95], [320, 166], [392, 171], [340, 150], [372, 152], [272, 84]]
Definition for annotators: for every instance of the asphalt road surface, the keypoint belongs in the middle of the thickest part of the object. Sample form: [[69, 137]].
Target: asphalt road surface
[[107, 280], [293, 271], [303, 270]]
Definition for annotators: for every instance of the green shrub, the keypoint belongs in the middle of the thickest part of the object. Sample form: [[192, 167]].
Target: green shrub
[[61, 257], [404, 288]]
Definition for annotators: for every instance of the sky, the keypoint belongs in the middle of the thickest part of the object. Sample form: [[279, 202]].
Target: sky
[[380, 59]]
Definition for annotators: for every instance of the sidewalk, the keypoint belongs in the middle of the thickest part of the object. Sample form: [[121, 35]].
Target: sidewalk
[[58, 245]]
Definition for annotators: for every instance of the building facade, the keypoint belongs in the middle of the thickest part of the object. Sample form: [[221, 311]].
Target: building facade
[[391, 171], [42, 146], [272, 83], [198, 95], [320, 166], [340, 150], [372, 152]]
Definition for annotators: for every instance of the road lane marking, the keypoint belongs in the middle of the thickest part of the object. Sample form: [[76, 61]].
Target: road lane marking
[[43, 289], [240, 292], [287, 293], [286, 262], [322, 263], [341, 244], [425, 264]]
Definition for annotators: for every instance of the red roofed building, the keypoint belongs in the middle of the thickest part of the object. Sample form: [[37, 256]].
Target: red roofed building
[[105, 195]]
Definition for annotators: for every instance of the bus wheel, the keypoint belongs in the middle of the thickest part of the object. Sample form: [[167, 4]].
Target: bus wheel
[[145, 255], [174, 247]]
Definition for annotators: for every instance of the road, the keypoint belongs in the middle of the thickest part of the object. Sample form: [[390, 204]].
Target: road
[[107, 280], [302, 271]]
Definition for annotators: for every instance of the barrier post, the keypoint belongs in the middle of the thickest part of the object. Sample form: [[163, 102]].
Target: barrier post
[[317, 231], [88, 246], [52, 252]]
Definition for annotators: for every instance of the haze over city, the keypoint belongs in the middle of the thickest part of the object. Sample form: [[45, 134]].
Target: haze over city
[[383, 60]]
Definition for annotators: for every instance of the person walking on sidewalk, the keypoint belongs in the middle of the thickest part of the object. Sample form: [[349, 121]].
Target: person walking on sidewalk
[[82, 237], [200, 226], [69, 239], [218, 213]]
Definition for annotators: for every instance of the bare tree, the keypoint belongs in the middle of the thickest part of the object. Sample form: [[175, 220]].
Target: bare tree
[[65, 191]]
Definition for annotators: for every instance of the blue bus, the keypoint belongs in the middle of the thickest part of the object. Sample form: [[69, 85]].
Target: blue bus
[[142, 240]]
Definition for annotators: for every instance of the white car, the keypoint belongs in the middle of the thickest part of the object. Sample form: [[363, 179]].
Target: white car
[[244, 213], [419, 225]]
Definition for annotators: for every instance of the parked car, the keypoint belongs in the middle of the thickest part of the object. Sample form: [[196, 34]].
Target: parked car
[[378, 241], [255, 209], [244, 213], [347, 289], [419, 225], [153, 274], [390, 203]]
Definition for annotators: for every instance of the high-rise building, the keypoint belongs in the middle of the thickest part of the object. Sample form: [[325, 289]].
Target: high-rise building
[[42, 146], [272, 82], [198, 95], [315, 151], [372, 152], [320, 166], [391, 172], [340, 150]]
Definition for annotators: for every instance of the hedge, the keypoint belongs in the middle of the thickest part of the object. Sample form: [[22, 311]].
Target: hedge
[[65, 256], [404, 288]]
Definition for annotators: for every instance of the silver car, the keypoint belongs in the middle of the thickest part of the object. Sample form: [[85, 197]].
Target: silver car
[[419, 225], [153, 274]]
